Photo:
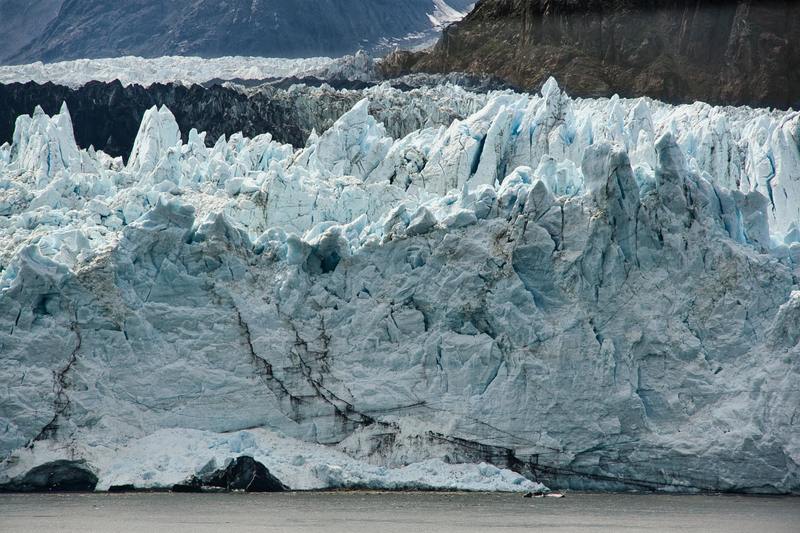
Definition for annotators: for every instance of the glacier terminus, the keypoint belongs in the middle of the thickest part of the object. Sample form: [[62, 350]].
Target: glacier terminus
[[548, 291]]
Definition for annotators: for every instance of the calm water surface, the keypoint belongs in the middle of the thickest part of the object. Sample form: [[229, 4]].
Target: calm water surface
[[389, 512]]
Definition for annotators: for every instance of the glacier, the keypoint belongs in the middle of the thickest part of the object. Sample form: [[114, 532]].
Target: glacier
[[186, 69], [582, 293]]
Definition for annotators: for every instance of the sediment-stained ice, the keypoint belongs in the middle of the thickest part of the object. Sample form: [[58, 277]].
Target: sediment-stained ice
[[582, 291]]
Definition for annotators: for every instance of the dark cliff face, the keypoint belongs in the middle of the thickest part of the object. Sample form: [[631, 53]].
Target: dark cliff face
[[209, 28], [107, 115], [720, 51]]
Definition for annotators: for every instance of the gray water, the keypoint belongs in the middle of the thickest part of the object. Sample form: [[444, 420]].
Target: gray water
[[336, 512]]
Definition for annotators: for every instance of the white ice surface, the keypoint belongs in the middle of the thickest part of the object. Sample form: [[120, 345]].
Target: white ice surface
[[186, 69]]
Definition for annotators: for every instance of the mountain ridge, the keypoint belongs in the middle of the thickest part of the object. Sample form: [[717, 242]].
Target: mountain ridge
[[736, 52], [270, 28]]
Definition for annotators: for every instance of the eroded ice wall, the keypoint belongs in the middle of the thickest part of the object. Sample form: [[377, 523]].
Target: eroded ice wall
[[583, 291]]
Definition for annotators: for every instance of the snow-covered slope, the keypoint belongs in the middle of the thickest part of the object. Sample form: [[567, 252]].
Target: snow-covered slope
[[444, 14], [585, 291]]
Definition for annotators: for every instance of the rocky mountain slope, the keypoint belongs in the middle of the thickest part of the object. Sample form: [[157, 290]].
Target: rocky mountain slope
[[208, 28], [719, 51], [22, 20], [596, 294]]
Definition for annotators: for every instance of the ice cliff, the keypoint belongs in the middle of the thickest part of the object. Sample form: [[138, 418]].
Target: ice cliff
[[591, 293]]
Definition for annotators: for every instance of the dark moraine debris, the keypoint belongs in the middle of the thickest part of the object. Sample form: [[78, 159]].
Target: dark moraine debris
[[57, 476], [108, 115], [192, 485], [242, 474], [121, 488]]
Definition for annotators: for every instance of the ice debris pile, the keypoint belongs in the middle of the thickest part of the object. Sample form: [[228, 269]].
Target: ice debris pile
[[593, 293]]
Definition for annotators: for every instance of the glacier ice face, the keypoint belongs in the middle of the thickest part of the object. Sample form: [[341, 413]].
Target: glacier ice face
[[44, 145], [354, 146], [158, 133], [579, 290]]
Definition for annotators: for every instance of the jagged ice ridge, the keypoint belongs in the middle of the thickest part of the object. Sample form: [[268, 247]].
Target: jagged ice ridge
[[595, 293]]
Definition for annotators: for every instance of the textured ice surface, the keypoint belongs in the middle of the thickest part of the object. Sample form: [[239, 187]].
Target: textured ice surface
[[585, 291], [130, 70]]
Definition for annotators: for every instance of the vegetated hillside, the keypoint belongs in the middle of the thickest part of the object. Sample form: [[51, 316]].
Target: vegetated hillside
[[720, 51]]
